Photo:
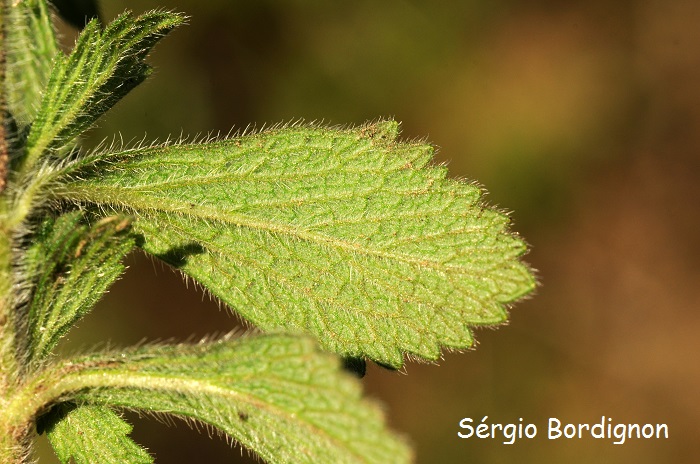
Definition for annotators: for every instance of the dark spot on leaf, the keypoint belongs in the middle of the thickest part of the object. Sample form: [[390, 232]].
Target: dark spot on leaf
[[178, 256], [242, 415], [140, 240], [47, 421]]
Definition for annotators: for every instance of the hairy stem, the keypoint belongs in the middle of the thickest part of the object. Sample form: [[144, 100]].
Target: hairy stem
[[6, 329], [4, 157], [13, 448], [13, 445], [15, 428]]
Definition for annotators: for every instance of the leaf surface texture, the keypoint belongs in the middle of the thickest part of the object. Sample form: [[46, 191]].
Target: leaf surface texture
[[277, 395], [30, 47], [69, 265], [102, 68], [345, 234], [93, 434]]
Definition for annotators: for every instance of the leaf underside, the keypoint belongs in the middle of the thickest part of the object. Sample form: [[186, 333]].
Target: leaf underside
[[345, 234], [277, 395]]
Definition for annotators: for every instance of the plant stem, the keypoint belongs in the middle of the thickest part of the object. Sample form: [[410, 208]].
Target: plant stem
[[13, 448], [4, 157], [12, 439], [20, 407], [6, 329]]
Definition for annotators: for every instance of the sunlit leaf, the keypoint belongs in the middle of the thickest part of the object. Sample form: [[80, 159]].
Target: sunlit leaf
[[345, 234]]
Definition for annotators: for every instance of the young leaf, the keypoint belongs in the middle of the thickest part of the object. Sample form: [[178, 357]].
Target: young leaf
[[69, 266], [278, 395], [30, 47], [344, 234], [93, 434], [102, 68]]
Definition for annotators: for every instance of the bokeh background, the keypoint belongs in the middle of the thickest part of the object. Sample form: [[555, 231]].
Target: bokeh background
[[580, 117]]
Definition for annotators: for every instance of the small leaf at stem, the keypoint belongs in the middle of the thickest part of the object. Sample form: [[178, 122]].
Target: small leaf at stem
[[277, 395], [345, 234], [103, 67], [92, 434], [69, 266]]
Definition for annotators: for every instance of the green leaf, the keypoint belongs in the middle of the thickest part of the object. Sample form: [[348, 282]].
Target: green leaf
[[102, 68], [93, 434], [277, 395], [69, 266], [344, 234], [30, 46]]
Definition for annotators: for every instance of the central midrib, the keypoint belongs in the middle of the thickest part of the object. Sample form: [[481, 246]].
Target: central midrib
[[99, 195]]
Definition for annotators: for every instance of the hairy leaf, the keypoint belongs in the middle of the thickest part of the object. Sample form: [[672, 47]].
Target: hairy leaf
[[345, 234], [30, 49], [69, 266], [277, 395], [102, 68], [93, 434]]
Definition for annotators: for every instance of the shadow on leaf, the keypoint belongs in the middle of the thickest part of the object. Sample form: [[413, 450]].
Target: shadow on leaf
[[178, 256]]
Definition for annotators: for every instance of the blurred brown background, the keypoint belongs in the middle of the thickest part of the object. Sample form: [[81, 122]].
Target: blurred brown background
[[581, 117]]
